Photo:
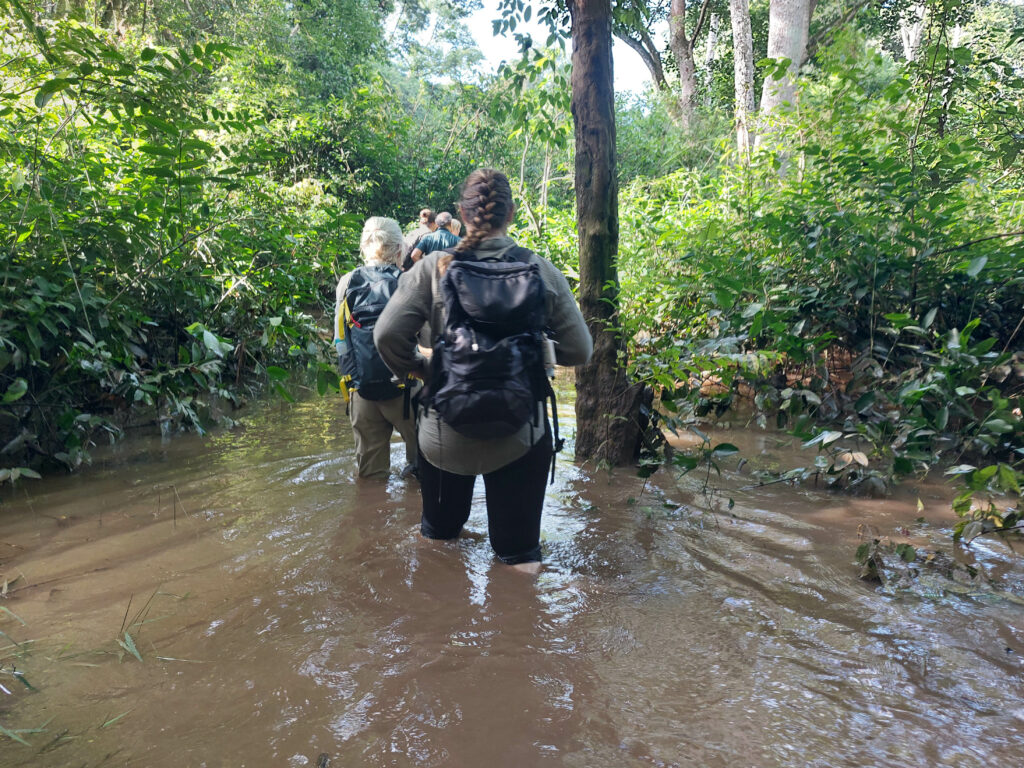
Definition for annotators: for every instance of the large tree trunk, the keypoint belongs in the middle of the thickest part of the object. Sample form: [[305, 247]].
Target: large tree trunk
[[788, 23], [606, 426], [743, 72]]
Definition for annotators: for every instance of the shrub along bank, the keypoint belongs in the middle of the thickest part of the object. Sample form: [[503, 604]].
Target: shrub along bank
[[859, 278], [150, 261]]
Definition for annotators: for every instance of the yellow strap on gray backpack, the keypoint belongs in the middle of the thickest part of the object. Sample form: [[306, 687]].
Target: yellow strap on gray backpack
[[344, 322]]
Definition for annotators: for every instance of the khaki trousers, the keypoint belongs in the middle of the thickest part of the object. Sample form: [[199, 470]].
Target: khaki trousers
[[373, 422]]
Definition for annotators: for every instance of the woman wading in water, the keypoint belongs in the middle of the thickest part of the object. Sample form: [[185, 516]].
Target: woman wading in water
[[515, 465]]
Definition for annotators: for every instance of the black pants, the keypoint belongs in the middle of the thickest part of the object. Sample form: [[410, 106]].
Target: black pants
[[515, 498]]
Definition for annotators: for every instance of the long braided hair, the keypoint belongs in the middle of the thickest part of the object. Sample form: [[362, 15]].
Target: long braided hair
[[485, 203]]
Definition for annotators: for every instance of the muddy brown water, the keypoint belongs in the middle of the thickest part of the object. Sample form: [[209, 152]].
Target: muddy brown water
[[283, 611]]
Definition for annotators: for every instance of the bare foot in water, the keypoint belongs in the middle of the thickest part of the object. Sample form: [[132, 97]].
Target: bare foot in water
[[531, 568]]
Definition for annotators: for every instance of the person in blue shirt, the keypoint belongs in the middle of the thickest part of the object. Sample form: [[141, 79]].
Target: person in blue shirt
[[440, 239]]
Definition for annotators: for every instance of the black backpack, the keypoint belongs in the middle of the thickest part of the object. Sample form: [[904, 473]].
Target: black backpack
[[368, 292], [487, 370]]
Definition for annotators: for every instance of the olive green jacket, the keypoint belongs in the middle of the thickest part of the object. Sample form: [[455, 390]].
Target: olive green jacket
[[418, 300]]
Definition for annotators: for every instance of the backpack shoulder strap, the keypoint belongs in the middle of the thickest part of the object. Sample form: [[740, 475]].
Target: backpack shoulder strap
[[458, 255], [517, 253], [345, 316], [513, 253], [357, 279], [385, 270]]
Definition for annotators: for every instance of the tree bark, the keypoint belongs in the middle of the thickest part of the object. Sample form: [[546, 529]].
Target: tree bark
[[743, 72], [682, 49], [545, 182], [113, 16], [912, 30], [710, 57], [788, 24], [606, 430]]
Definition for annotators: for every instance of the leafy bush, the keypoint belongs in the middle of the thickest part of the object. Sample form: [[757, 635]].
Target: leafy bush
[[862, 273], [148, 262]]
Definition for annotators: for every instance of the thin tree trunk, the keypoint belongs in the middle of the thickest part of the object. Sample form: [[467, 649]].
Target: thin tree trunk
[[606, 425], [545, 182], [912, 30], [687, 89], [113, 16], [743, 72], [682, 49], [788, 23], [650, 55], [710, 57]]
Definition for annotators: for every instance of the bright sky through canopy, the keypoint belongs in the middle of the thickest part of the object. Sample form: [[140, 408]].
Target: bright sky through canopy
[[630, 73]]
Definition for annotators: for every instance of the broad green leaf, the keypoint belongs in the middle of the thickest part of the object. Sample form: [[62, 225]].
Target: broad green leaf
[[279, 388], [156, 149], [985, 474], [976, 265], [1008, 479], [865, 401], [276, 373], [998, 426], [16, 391], [48, 89], [826, 437], [906, 552], [685, 462], [212, 343]]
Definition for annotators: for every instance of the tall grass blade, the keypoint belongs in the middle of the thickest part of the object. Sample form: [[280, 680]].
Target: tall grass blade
[[13, 735], [13, 615], [4, 634], [21, 678], [113, 720]]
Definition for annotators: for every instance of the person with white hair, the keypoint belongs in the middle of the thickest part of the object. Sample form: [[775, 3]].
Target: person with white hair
[[377, 403], [441, 239]]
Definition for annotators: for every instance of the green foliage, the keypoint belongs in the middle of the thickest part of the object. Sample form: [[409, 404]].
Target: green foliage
[[148, 262], [862, 274], [652, 146], [181, 185], [989, 502]]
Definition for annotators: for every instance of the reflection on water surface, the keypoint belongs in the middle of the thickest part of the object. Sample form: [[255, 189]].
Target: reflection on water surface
[[283, 611]]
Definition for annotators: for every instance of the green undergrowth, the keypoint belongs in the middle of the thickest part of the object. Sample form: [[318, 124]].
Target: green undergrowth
[[153, 262], [857, 282]]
